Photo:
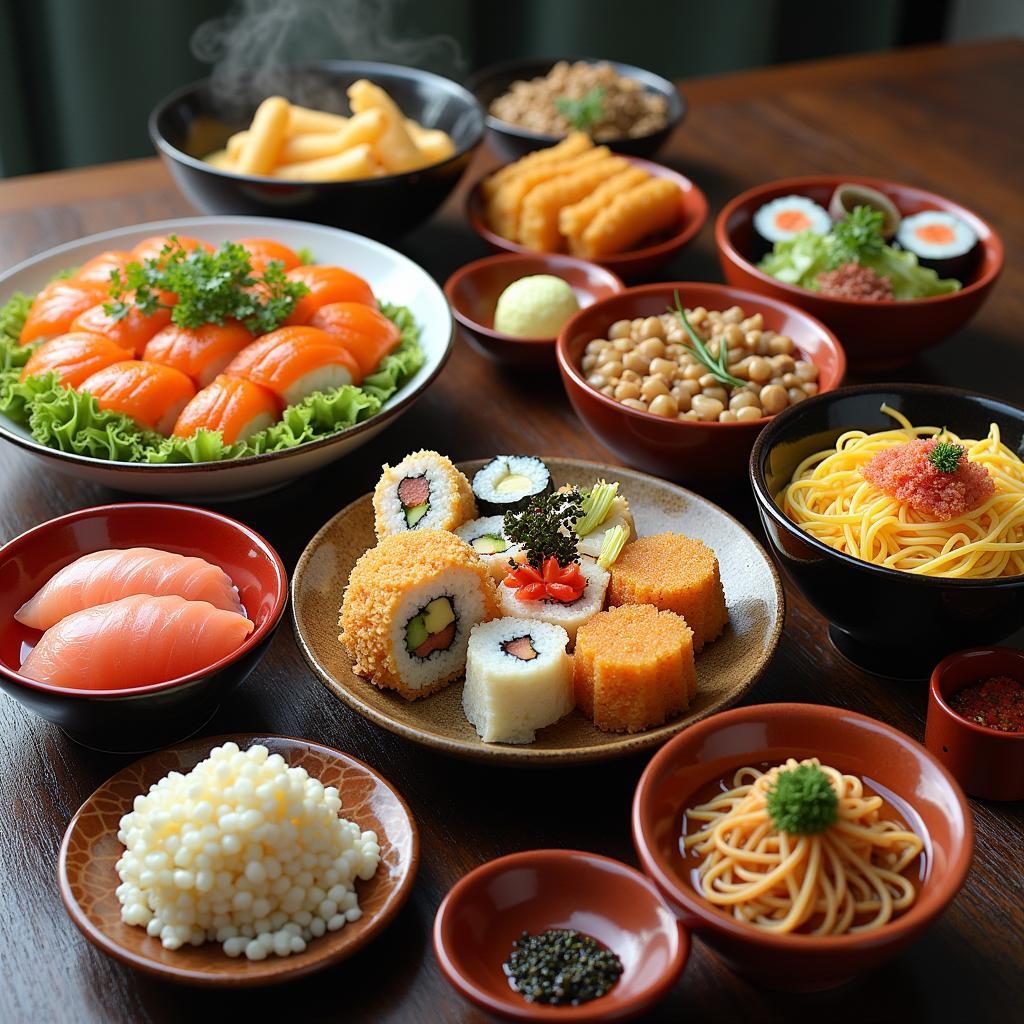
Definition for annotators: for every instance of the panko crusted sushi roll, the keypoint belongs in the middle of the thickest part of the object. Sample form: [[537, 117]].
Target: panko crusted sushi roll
[[409, 607], [423, 492], [508, 482], [518, 679], [487, 538]]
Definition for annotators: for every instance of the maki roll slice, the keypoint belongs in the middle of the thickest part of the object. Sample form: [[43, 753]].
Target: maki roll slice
[[408, 610], [508, 483], [786, 217], [518, 679], [940, 241], [487, 537], [423, 492]]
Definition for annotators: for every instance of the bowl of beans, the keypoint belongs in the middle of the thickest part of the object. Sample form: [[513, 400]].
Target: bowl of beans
[[534, 103], [646, 372]]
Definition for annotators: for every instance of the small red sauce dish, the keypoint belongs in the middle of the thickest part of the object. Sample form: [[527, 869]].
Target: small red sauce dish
[[988, 763], [698, 453], [473, 292], [135, 719], [489, 908], [889, 762], [634, 263], [877, 335]]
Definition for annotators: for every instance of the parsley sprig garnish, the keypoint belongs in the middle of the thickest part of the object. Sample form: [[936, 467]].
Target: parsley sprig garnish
[[856, 236], [210, 288], [717, 366], [585, 112], [945, 456], [802, 801], [545, 527]]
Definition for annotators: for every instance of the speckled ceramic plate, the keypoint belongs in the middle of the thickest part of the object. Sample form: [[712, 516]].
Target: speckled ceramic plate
[[88, 878], [726, 669]]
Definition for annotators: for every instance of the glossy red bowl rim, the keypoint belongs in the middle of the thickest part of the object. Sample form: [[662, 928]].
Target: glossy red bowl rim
[[36, 533], [534, 1011], [616, 260], [740, 295], [554, 258], [725, 247], [932, 900], [935, 686]]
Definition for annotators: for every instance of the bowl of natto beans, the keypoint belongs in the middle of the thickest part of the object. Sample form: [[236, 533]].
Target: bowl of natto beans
[[678, 378]]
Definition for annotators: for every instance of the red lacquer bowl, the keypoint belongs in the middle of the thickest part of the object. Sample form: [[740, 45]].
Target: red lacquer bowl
[[145, 717], [699, 454], [635, 263], [885, 758], [473, 292], [876, 335], [488, 909], [988, 763]]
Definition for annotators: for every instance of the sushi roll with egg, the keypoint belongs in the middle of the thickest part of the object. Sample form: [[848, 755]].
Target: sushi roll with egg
[[486, 536], [940, 241], [518, 679], [408, 610], [423, 492], [786, 217], [508, 482]]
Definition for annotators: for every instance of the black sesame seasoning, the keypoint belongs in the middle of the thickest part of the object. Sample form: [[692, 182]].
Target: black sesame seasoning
[[562, 967]]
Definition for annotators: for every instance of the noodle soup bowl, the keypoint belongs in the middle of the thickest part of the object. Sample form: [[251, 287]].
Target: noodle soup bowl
[[887, 621], [917, 788]]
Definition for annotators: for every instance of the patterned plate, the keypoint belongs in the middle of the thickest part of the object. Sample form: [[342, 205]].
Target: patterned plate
[[87, 876], [726, 669]]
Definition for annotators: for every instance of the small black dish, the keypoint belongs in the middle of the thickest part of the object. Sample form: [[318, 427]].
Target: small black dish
[[511, 142], [194, 121], [888, 622]]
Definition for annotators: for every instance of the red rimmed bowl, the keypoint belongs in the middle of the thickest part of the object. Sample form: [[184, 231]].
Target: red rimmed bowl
[[130, 720], [473, 292], [700, 454], [634, 263], [876, 335], [489, 908], [988, 763], [888, 760]]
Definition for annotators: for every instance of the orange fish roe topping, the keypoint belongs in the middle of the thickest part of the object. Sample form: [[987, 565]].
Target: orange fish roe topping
[[907, 473]]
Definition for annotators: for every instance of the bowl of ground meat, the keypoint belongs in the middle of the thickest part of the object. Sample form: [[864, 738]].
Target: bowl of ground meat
[[535, 103], [878, 332]]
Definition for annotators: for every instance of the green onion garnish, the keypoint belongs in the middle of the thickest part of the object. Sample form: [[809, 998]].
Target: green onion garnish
[[612, 545], [596, 506]]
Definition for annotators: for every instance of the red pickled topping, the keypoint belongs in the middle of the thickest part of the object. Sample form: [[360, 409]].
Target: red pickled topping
[[852, 281], [996, 703], [555, 582], [905, 473]]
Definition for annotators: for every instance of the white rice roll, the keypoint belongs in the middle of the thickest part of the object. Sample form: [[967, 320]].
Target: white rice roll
[[570, 616], [486, 536], [618, 515], [518, 679], [509, 482], [936, 235], [423, 492], [788, 216]]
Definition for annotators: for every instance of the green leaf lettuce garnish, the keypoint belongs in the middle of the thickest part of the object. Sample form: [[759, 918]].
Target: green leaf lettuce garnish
[[583, 113]]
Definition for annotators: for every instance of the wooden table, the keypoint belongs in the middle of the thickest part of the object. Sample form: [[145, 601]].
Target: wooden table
[[936, 117]]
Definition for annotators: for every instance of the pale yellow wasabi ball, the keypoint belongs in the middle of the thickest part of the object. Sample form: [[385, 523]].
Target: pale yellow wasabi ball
[[535, 307]]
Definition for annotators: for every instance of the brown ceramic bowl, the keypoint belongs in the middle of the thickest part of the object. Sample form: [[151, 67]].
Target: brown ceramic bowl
[[696, 453], [876, 335], [888, 760], [87, 874], [989, 764], [473, 292], [635, 263], [488, 909]]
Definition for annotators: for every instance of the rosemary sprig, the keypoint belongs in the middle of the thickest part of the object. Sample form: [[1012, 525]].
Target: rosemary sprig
[[717, 367]]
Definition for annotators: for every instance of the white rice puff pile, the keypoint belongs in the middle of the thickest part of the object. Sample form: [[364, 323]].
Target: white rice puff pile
[[244, 851]]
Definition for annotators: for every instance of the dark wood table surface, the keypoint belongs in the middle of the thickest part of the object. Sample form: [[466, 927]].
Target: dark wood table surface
[[939, 118]]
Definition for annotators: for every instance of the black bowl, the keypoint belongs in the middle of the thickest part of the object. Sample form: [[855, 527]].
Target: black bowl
[[888, 622], [194, 121], [511, 142]]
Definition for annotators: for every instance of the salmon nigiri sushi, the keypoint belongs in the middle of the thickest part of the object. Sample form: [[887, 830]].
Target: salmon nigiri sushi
[[109, 575], [326, 284], [98, 269], [152, 248], [134, 642], [364, 331], [263, 250], [74, 357], [54, 309], [131, 331], [293, 362], [151, 394], [236, 407], [199, 352]]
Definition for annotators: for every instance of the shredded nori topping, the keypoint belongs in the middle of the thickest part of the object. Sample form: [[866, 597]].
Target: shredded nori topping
[[545, 528], [562, 967]]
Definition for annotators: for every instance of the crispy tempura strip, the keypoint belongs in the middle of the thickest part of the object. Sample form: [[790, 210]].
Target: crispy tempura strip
[[303, 119], [504, 207], [643, 210], [395, 148], [571, 145], [538, 221], [573, 220], [356, 162], [258, 152], [434, 143]]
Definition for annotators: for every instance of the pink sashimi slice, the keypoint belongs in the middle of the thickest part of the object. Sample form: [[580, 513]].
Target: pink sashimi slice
[[105, 576], [134, 642]]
